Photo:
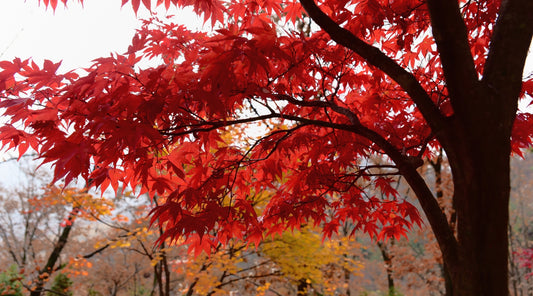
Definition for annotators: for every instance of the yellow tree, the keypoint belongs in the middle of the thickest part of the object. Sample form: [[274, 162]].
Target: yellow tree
[[313, 265]]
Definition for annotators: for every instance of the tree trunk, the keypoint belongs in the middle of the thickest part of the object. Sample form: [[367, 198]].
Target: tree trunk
[[347, 274], [387, 258], [480, 162], [478, 149], [48, 269], [482, 231], [303, 287]]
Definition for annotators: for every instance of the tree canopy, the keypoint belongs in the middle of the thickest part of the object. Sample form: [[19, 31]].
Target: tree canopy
[[268, 123]]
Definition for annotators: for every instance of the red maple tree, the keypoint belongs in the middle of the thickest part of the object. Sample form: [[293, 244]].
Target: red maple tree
[[395, 80]]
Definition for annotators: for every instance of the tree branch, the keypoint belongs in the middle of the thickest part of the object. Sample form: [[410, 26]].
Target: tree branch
[[406, 167], [430, 206], [336, 108], [97, 251], [54, 256], [429, 110], [437, 219], [509, 48], [451, 36], [377, 58]]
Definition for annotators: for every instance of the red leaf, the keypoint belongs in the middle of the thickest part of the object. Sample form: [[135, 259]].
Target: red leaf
[[384, 185], [135, 4], [260, 127], [147, 4], [527, 88]]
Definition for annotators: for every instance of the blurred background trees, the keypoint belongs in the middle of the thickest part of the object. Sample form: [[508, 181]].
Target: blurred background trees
[[66, 241]]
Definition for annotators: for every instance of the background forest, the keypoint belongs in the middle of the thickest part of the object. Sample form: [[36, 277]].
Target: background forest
[[294, 149], [72, 242]]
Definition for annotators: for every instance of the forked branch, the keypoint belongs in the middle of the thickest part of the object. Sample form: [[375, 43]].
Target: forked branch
[[377, 58]]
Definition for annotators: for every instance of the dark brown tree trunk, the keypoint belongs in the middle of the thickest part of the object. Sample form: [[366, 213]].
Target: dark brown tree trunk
[[477, 141], [347, 281], [387, 258], [476, 138], [448, 285], [302, 288], [48, 269], [481, 194], [482, 238]]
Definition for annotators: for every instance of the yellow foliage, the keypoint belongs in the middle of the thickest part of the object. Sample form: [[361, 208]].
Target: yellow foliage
[[284, 260], [261, 290], [86, 205], [303, 255], [207, 270], [121, 244], [296, 255]]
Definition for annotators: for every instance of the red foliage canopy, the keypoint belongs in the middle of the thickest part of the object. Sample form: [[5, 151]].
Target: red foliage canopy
[[183, 129]]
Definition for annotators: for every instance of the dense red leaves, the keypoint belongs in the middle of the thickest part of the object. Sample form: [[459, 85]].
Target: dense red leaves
[[522, 131], [183, 130]]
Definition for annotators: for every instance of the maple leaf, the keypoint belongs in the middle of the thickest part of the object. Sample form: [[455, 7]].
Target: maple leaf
[[337, 111]]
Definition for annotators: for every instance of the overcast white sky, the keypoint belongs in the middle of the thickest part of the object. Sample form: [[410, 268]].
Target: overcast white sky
[[74, 34]]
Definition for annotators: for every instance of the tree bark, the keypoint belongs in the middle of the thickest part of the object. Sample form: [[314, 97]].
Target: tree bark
[[476, 138], [481, 195], [387, 258], [302, 287], [347, 274], [48, 269]]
